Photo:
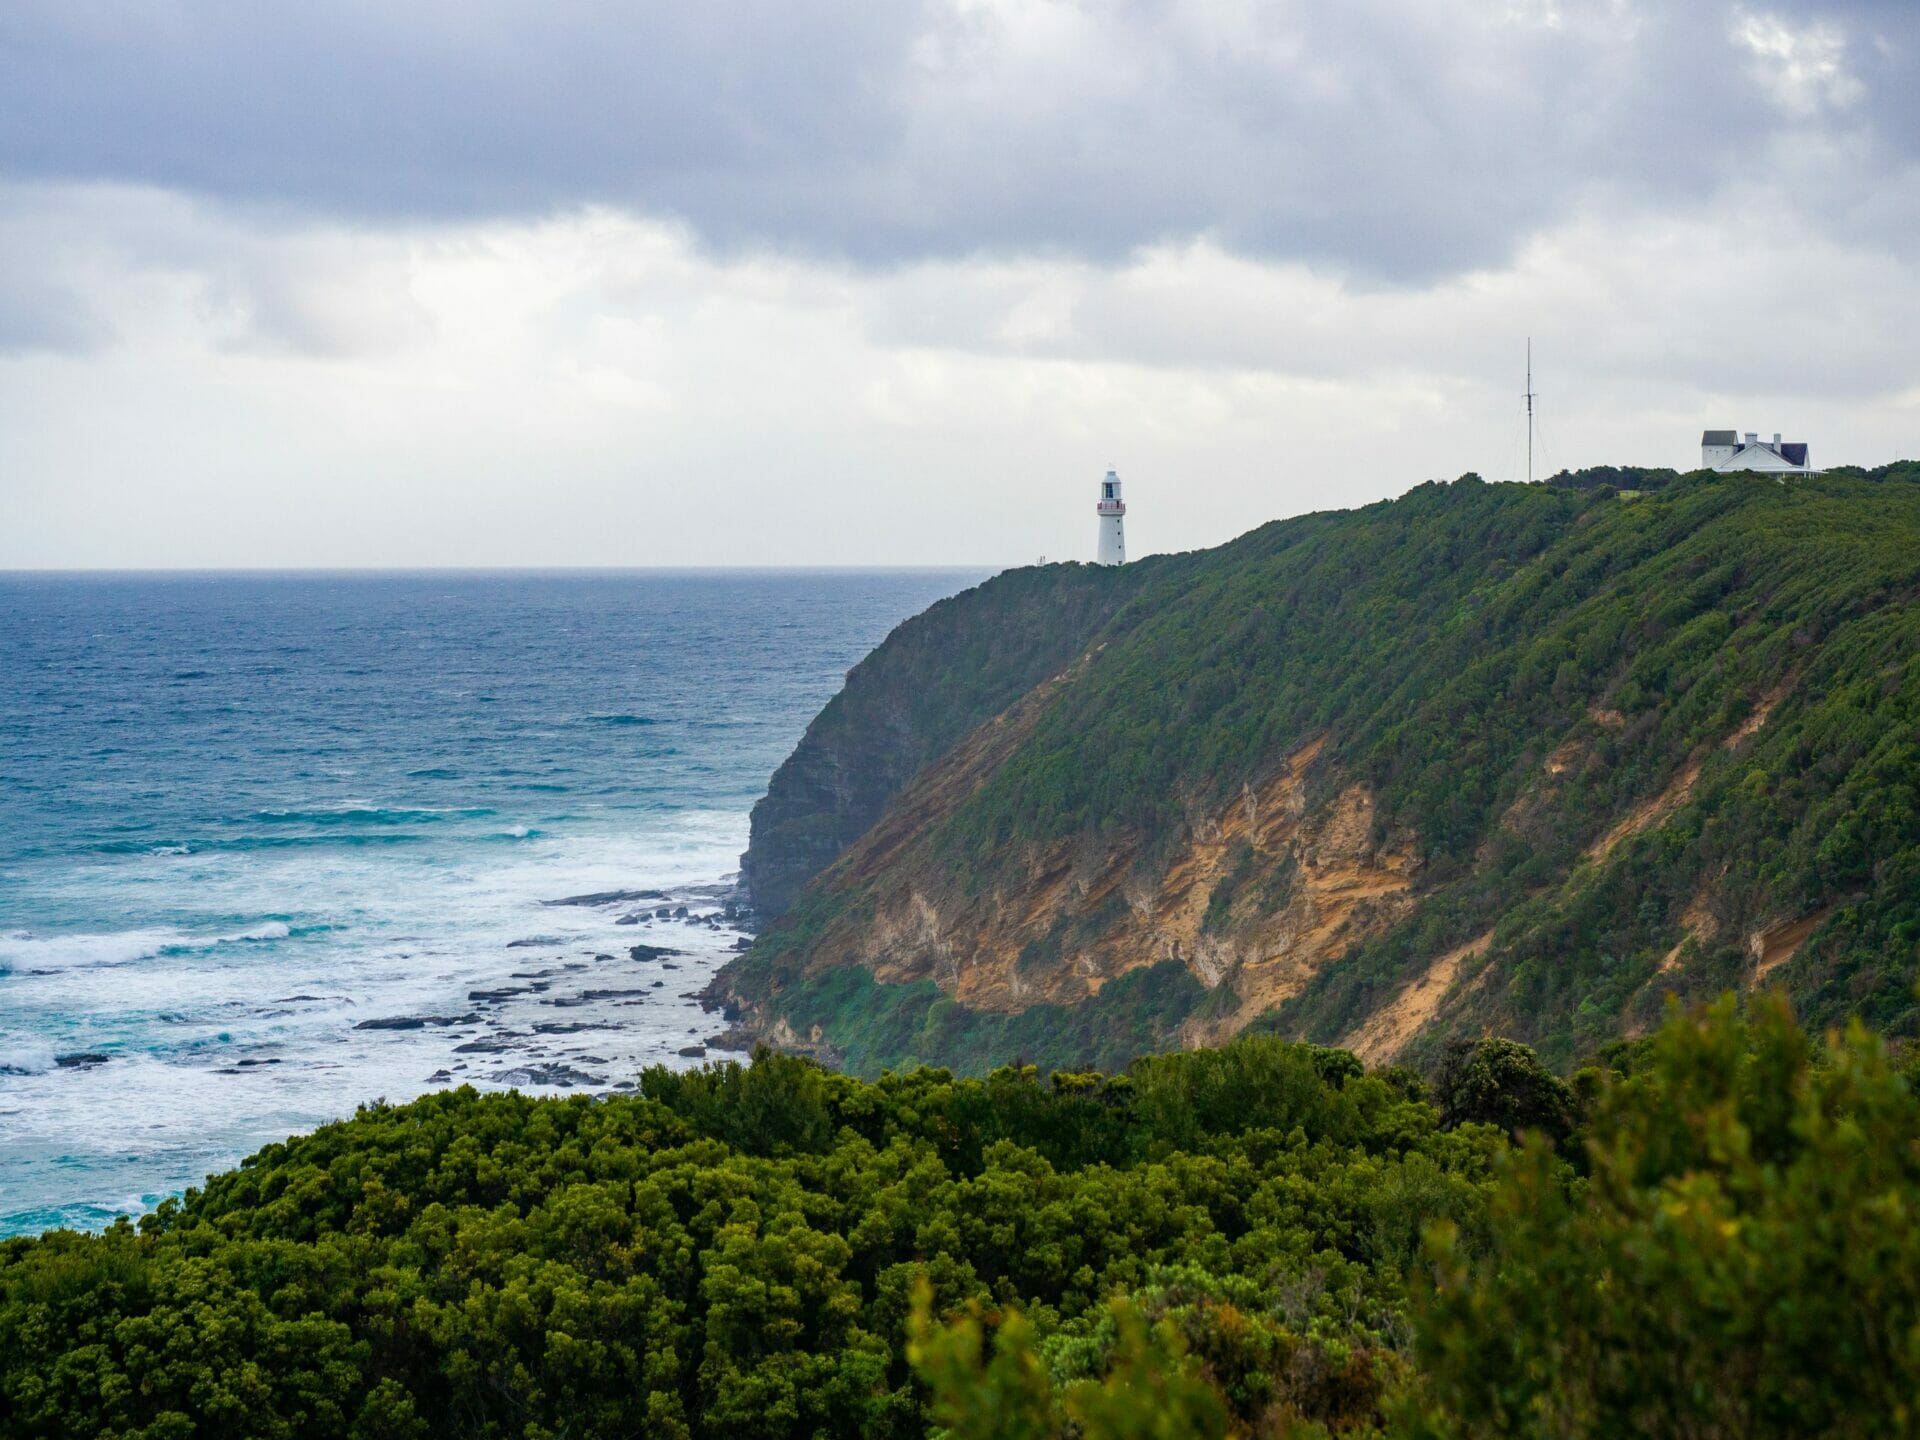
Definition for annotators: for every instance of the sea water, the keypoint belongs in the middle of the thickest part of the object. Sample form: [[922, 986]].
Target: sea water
[[273, 846]]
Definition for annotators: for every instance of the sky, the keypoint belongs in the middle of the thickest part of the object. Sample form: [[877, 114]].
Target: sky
[[468, 282]]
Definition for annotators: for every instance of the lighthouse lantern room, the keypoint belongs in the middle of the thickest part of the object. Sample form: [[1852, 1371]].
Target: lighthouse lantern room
[[1112, 509]]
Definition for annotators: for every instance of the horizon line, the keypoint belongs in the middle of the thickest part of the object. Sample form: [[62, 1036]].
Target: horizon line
[[555, 569]]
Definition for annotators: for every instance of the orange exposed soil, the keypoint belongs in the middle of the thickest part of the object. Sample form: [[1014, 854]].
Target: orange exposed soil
[[1649, 813], [1697, 923], [1773, 948], [1385, 1033], [1313, 879]]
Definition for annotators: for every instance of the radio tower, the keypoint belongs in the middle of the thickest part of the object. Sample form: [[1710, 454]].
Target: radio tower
[[1529, 400], [1113, 539]]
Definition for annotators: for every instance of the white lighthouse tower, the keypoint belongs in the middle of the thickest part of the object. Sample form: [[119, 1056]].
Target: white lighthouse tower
[[1113, 537]]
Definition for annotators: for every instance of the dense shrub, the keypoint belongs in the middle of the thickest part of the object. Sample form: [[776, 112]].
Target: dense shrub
[[1250, 1241], [735, 1252]]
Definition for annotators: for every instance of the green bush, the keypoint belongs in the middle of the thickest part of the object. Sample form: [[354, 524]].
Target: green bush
[[1742, 1260], [1255, 1241]]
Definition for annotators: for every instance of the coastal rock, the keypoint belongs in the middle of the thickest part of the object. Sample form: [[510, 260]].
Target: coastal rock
[[562, 1076], [609, 897], [651, 952], [81, 1060], [589, 997], [693, 1052], [415, 1022]]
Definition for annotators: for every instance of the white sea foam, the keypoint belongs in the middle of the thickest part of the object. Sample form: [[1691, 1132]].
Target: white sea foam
[[221, 1040], [276, 810], [26, 1056], [25, 951]]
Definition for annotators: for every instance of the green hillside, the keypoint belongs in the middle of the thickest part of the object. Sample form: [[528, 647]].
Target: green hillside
[[1626, 744], [937, 676]]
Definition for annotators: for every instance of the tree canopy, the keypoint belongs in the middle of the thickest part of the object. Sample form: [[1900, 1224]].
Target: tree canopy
[[1255, 1240]]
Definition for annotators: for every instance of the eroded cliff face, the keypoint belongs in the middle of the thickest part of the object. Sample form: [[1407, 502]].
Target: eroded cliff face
[[1260, 896], [1533, 786]]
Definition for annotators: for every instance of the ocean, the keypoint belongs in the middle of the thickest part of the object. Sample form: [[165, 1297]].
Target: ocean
[[273, 846]]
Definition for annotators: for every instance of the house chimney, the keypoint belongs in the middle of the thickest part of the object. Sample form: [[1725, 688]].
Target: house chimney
[[1753, 437], [1776, 439]]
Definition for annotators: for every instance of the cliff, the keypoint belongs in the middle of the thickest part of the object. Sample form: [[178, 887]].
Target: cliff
[[1514, 758], [935, 678]]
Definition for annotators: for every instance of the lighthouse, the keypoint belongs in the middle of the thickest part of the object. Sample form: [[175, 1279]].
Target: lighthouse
[[1113, 510]]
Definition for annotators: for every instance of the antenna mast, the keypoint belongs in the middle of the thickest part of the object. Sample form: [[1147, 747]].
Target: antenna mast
[[1529, 399]]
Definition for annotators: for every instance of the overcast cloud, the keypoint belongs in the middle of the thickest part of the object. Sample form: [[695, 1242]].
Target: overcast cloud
[[575, 283]]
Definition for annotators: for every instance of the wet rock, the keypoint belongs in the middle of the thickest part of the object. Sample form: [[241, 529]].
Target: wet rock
[[440, 1077], [81, 1060], [694, 1052], [651, 952], [504, 993], [534, 941], [414, 1022], [483, 1047], [567, 1027], [609, 897], [562, 1076], [589, 997]]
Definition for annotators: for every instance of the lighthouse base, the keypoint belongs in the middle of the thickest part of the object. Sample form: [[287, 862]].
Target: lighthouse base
[[1113, 541]]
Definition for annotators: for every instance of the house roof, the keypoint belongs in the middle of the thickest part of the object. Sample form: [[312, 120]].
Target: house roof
[[1720, 437], [1795, 453]]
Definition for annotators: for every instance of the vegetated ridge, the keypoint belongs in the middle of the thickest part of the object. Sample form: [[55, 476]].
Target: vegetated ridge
[[937, 676], [1514, 759]]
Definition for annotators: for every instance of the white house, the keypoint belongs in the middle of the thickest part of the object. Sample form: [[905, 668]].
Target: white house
[[1728, 450]]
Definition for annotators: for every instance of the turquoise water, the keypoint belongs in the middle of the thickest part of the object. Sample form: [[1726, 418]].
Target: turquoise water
[[275, 845]]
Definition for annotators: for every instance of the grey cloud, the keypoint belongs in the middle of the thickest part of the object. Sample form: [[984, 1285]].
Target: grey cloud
[[49, 317], [81, 265], [1398, 140]]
